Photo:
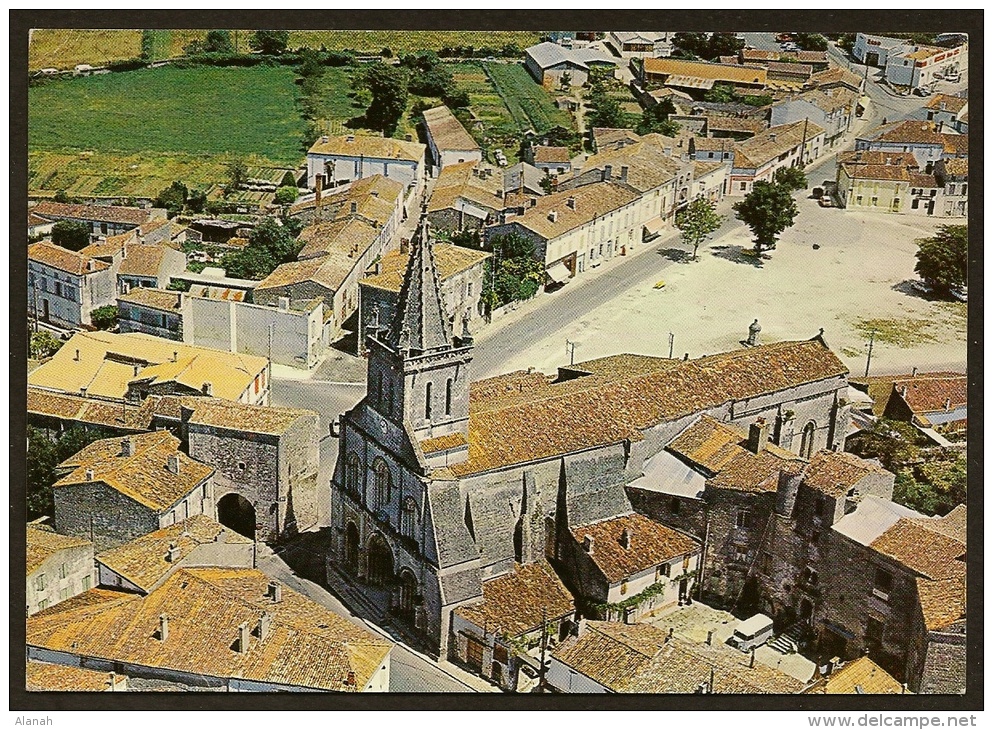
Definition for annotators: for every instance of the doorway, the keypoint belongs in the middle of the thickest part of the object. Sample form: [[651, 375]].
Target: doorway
[[236, 512]]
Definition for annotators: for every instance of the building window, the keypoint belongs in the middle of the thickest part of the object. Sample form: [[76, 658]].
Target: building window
[[86, 582], [39, 582], [427, 401], [882, 584], [743, 518], [408, 522], [64, 594], [63, 571], [664, 570], [468, 289], [381, 476], [674, 505], [352, 474], [43, 604], [241, 466], [103, 228], [448, 397], [807, 440], [858, 200], [743, 186], [58, 288]]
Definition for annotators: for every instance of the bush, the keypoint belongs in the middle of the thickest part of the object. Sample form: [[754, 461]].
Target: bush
[[286, 195], [72, 235], [44, 344], [104, 318]]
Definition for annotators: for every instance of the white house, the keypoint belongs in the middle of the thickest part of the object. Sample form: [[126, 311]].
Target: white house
[[448, 140], [64, 287], [343, 159]]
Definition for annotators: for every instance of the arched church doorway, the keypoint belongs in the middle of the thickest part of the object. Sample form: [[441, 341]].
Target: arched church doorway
[[352, 548], [236, 512], [380, 561]]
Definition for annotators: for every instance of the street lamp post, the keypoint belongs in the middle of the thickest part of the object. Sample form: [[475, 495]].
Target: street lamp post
[[868, 359]]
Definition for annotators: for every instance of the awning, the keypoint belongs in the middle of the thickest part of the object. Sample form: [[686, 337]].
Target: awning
[[654, 226], [559, 273]]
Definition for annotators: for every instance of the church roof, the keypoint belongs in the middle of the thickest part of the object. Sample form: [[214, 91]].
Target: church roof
[[420, 322]]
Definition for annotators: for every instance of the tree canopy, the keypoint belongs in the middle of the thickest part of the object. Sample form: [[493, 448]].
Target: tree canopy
[[44, 455], [73, 235], [513, 273], [792, 178], [697, 221], [943, 259], [769, 209], [173, 198], [270, 42], [388, 86], [656, 119], [269, 245]]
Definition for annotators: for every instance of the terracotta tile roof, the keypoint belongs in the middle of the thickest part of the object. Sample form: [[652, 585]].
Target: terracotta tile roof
[[306, 644], [517, 602], [831, 100], [63, 259], [713, 144], [889, 173], [946, 102], [321, 270], [927, 552], [952, 525], [346, 238], [361, 145], [910, 131], [652, 543], [637, 658], [750, 472], [879, 157], [143, 476], [927, 394], [760, 149], [143, 260], [443, 443], [734, 124], [35, 220], [44, 542], [447, 131], [243, 417], [164, 299], [956, 166], [591, 202], [800, 69], [521, 417], [107, 361], [835, 472], [735, 74], [701, 169], [445, 198], [451, 260], [41, 677], [98, 412], [943, 602], [144, 561], [551, 155], [837, 75], [152, 225], [605, 137], [920, 180], [108, 213], [111, 246], [861, 676], [648, 165]]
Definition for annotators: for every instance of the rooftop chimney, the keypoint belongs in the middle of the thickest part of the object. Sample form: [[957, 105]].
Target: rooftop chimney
[[89, 475], [553, 216], [89, 264], [350, 679], [163, 627], [77, 356], [624, 173], [324, 138], [355, 207], [207, 389], [608, 172], [175, 355], [588, 544], [532, 202], [913, 373], [265, 624], [571, 202], [274, 592], [626, 536], [284, 304], [244, 636], [127, 447], [710, 637], [350, 138], [751, 659], [948, 404], [172, 463], [409, 137], [772, 137], [758, 436], [173, 553]]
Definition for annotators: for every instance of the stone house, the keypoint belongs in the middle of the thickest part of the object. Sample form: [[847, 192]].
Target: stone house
[[440, 487], [834, 110], [103, 220], [58, 567], [143, 564], [461, 271], [448, 141], [138, 264], [266, 462], [923, 139], [524, 614], [524, 179], [612, 562], [64, 287], [465, 196], [213, 629], [930, 400], [115, 490], [758, 158], [346, 158], [157, 312], [553, 161]]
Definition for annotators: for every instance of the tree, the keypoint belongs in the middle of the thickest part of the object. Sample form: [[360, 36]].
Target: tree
[[173, 198], [388, 85], [811, 42], [218, 41], [697, 221], [607, 112], [691, 45], [792, 178], [720, 94], [269, 42], [943, 259], [269, 245], [197, 201], [286, 195], [768, 210], [289, 179], [72, 235], [456, 99], [723, 44], [656, 119], [44, 344], [44, 455], [895, 444], [61, 196], [104, 318], [513, 273], [237, 172]]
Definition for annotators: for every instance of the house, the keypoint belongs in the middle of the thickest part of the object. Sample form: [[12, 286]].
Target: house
[[614, 562], [643, 44], [220, 629], [521, 618], [115, 490], [758, 158], [697, 77], [105, 220], [923, 139], [155, 312], [523, 179], [45, 677], [947, 111], [451, 484], [553, 161], [38, 227], [860, 676], [953, 176], [719, 126], [58, 567], [906, 63], [212, 282], [64, 287], [834, 110], [145, 563], [682, 102], [837, 77], [376, 201], [130, 367], [460, 271], [137, 264], [448, 141], [339, 160], [604, 138], [465, 197], [552, 65], [610, 657], [930, 402], [709, 180], [577, 229], [892, 182]]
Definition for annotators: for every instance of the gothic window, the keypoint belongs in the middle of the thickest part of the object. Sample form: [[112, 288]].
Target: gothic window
[[427, 401], [381, 478], [807, 440], [352, 474], [448, 397], [408, 522]]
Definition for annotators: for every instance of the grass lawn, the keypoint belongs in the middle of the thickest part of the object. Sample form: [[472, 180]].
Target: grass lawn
[[202, 110], [403, 41]]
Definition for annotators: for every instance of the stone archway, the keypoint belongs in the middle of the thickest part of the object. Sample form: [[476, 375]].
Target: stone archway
[[352, 548], [380, 561], [408, 595], [236, 512]]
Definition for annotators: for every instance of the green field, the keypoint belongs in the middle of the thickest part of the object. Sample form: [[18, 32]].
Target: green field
[[203, 110], [529, 104]]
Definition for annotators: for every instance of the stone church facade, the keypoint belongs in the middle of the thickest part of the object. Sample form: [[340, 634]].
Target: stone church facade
[[441, 484]]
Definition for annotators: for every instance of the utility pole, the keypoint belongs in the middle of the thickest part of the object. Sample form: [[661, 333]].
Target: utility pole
[[672, 338], [868, 359], [571, 349]]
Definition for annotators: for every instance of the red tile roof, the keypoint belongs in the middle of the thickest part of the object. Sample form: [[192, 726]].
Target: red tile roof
[[924, 394], [518, 602], [101, 213], [63, 259]]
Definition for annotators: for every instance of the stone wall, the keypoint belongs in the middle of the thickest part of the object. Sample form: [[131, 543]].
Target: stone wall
[[95, 508], [63, 575]]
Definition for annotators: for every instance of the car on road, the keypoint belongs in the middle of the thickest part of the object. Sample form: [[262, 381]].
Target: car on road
[[922, 91], [953, 78], [790, 47]]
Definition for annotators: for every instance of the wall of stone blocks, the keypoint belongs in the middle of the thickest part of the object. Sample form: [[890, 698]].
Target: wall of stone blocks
[[112, 518]]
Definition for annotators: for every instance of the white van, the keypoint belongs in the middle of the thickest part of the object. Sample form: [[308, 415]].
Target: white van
[[752, 632]]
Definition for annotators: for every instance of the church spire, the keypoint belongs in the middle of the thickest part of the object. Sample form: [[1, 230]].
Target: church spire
[[421, 324]]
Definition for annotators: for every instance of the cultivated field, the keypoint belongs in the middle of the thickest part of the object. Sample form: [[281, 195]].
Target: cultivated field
[[529, 104], [54, 48]]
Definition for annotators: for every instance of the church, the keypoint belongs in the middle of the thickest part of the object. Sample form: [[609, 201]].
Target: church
[[443, 483]]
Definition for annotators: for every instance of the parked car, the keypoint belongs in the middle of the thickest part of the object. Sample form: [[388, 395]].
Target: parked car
[[790, 47], [922, 91], [953, 78], [784, 37]]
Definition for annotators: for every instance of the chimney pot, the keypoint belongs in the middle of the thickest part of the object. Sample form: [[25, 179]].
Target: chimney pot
[[77, 356], [354, 207], [948, 404], [89, 475], [172, 463], [350, 681], [608, 172], [588, 544], [624, 172], [324, 138], [175, 355], [571, 203], [244, 635], [163, 627], [207, 389], [274, 592], [626, 536], [913, 373], [284, 304], [553, 216], [265, 624], [772, 137], [173, 553], [710, 637], [127, 446]]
